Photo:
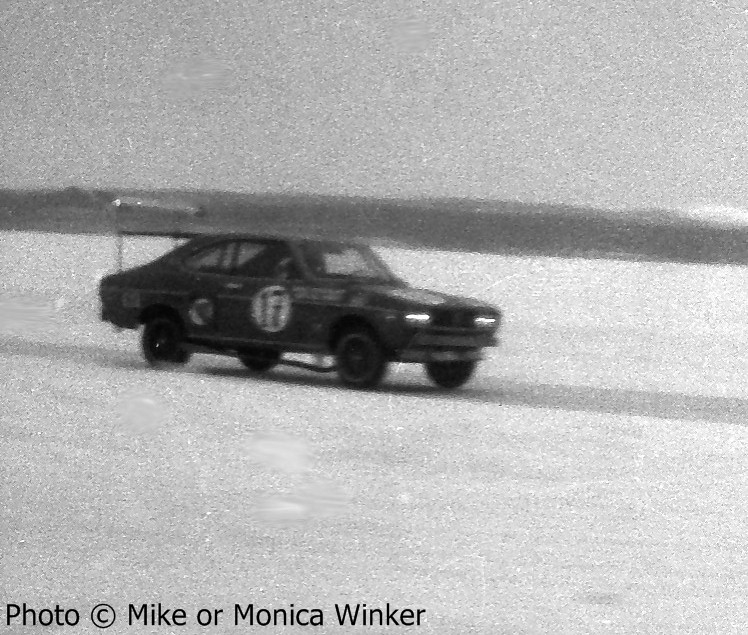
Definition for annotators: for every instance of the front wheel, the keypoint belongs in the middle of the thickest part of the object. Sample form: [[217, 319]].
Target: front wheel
[[162, 342], [360, 359], [450, 374]]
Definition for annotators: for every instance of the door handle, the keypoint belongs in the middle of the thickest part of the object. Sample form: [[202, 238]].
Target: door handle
[[233, 285]]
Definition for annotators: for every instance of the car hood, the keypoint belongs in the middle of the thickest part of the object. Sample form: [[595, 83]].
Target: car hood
[[410, 297]]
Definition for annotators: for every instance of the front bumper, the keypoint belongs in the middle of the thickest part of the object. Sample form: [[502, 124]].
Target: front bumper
[[436, 339], [434, 346]]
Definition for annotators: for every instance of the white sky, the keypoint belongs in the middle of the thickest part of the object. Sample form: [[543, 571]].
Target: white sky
[[616, 104]]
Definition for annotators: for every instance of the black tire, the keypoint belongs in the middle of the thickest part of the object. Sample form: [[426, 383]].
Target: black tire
[[162, 342], [450, 374], [360, 359], [260, 361]]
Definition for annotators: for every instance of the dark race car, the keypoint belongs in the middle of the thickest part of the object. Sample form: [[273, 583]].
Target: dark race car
[[258, 297]]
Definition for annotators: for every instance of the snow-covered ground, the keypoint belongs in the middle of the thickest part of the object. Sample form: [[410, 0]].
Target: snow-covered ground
[[608, 324], [590, 480]]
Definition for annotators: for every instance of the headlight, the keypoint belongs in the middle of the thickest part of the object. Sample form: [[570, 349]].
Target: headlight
[[417, 319], [485, 321]]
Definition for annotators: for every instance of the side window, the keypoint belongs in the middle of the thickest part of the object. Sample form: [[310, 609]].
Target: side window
[[213, 259], [246, 254], [264, 260], [344, 262], [227, 262], [287, 269]]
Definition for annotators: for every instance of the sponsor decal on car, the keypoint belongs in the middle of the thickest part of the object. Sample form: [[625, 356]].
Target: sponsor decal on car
[[312, 294], [201, 312], [359, 299], [271, 308]]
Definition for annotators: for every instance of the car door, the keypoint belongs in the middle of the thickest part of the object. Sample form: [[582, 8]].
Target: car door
[[206, 272], [258, 306], [320, 297]]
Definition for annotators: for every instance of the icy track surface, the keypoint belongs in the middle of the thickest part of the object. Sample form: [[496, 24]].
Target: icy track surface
[[591, 479]]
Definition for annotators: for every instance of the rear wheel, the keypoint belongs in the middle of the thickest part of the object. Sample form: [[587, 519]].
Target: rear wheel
[[450, 374], [260, 361], [162, 342], [360, 359]]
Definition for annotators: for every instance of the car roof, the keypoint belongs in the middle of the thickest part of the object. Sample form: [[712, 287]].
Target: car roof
[[205, 239]]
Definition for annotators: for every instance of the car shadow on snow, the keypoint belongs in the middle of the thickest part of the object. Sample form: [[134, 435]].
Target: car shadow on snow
[[505, 392], [628, 402], [509, 392]]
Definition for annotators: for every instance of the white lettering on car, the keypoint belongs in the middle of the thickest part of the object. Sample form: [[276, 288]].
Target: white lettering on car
[[320, 295]]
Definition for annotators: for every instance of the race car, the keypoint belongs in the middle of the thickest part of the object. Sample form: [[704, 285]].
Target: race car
[[260, 297]]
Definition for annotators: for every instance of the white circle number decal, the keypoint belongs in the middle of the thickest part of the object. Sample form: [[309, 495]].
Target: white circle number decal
[[201, 312], [271, 309]]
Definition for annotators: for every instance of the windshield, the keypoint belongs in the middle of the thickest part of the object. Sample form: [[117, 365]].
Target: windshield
[[335, 260]]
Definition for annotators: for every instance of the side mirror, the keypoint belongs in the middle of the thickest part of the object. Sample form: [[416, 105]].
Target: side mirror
[[286, 270]]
